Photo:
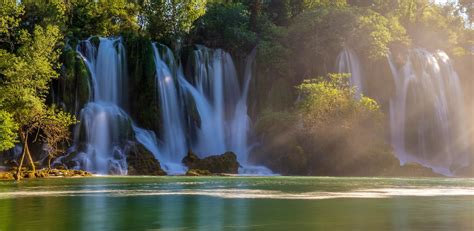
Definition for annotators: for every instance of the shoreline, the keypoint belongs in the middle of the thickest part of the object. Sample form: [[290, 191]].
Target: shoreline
[[61, 174]]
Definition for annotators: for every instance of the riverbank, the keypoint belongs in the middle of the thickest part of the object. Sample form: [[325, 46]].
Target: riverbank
[[43, 173]]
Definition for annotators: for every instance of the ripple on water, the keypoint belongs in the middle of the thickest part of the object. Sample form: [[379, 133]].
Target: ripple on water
[[231, 193]]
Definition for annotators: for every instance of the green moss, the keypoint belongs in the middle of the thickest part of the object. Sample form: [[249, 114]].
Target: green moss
[[142, 162], [95, 40], [225, 163], [83, 87], [144, 106], [74, 83]]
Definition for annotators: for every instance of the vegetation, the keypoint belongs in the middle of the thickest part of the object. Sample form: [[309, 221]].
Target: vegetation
[[304, 124], [328, 132], [28, 63]]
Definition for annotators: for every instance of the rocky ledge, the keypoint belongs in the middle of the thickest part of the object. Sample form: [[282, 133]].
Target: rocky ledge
[[43, 173], [142, 162], [212, 165]]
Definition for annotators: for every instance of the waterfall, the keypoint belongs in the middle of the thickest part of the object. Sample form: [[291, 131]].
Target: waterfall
[[100, 137], [221, 104], [214, 91], [174, 145], [348, 62], [427, 117], [218, 122]]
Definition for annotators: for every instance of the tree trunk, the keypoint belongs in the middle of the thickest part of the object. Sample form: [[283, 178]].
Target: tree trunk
[[33, 168], [49, 161], [23, 153], [256, 7]]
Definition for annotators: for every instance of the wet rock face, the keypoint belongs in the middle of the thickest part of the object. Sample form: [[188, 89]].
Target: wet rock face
[[225, 163], [142, 162]]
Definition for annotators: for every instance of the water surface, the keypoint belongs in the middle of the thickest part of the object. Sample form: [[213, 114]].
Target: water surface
[[238, 203]]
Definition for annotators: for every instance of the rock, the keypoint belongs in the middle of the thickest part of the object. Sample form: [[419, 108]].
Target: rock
[[142, 162], [225, 163], [30, 175], [7, 176], [198, 172]]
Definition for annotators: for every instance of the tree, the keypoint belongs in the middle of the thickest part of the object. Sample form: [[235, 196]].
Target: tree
[[226, 26], [9, 23], [27, 67], [8, 128], [171, 20], [101, 18], [328, 132]]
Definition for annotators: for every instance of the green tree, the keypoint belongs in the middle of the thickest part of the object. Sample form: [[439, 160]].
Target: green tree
[[8, 128], [328, 132], [27, 67], [226, 26], [101, 18], [171, 20]]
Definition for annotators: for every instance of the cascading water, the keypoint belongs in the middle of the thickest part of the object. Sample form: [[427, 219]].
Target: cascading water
[[99, 139], [427, 113], [174, 146], [214, 91], [222, 107], [348, 62]]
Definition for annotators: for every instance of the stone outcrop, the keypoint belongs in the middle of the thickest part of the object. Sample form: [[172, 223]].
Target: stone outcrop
[[42, 173], [142, 162], [217, 164]]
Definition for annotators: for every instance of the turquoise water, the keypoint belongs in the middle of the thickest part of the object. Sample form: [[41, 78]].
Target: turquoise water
[[237, 203]]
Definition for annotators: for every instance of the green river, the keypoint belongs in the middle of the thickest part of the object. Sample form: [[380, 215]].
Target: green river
[[237, 203]]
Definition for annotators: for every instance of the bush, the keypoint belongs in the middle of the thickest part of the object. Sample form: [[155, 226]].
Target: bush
[[329, 132]]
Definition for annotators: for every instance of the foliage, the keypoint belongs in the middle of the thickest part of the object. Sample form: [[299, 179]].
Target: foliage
[[332, 99], [8, 128], [27, 67], [314, 53], [295, 40], [9, 23], [44, 13], [374, 34], [170, 20], [104, 18], [328, 131], [225, 26]]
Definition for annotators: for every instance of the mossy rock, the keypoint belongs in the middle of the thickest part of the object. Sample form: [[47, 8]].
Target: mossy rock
[[74, 88], [225, 163], [7, 176], [142, 162], [144, 102], [95, 40]]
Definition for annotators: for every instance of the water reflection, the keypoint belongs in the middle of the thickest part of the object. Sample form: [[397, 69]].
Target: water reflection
[[129, 204]]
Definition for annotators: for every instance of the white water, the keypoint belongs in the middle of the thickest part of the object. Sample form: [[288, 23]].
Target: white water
[[239, 193], [174, 146], [427, 113], [348, 62], [98, 139], [215, 93]]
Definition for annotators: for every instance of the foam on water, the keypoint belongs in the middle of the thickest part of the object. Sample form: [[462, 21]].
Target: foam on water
[[234, 193]]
